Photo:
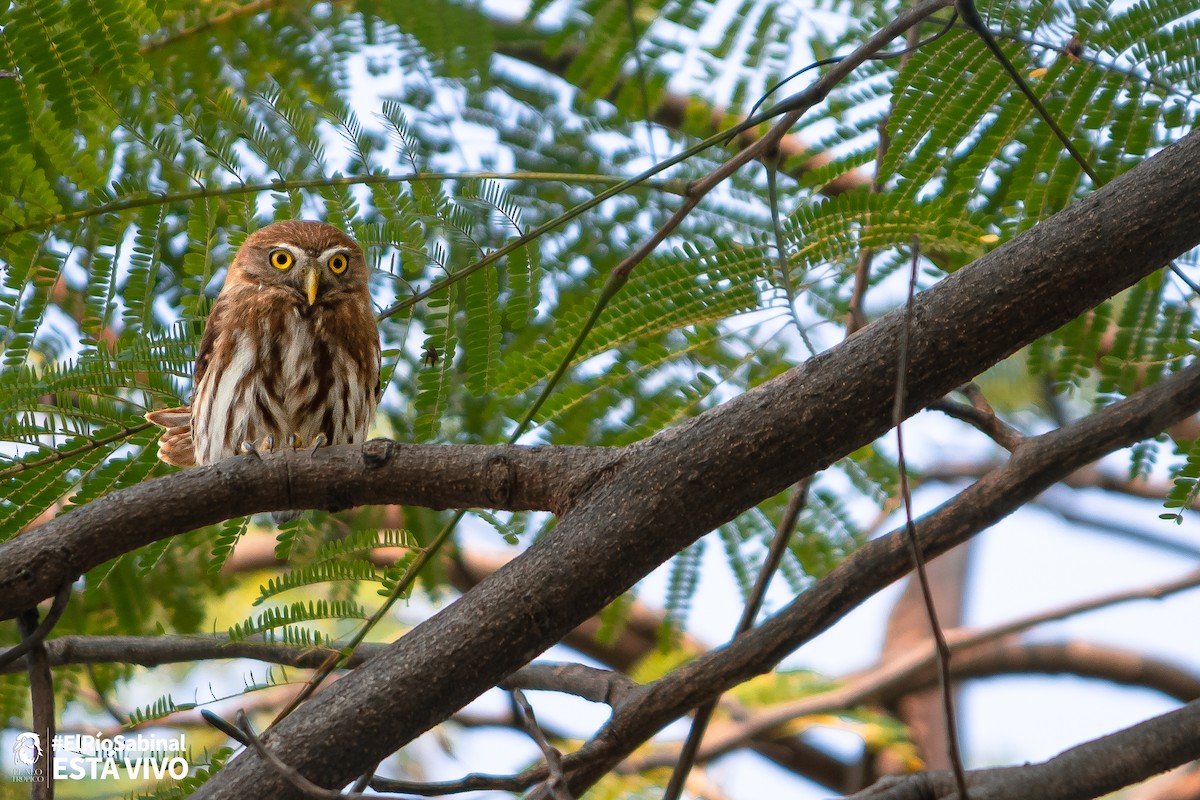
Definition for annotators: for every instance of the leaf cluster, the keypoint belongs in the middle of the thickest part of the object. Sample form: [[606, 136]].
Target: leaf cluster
[[144, 139]]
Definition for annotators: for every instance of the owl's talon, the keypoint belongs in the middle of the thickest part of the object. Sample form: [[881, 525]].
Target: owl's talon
[[249, 449], [319, 441], [268, 443], [294, 441]]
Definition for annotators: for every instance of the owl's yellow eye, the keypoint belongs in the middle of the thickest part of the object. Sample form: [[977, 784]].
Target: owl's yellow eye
[[281, 259], [338, 263]]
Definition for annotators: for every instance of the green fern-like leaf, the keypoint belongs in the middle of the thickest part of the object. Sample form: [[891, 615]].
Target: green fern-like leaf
[[125, 592], [319, 572], [688, 287], [481, 337], [30, 492], [27, 317], [743, 569], [1122, 370], [274, 622], [681, 588], [162, 707], [613, 618], [53, 57], [362, 542], [231, 531], [435, 380], [1185, 487]]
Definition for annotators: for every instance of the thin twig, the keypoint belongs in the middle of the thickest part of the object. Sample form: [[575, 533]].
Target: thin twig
[[60, 455], [870, 685], [474, 782], [1108, 525], [293, 776], [640, 69], [856, 317], [754, 602], [914, 45], [364, 781], [41, 694], [34, 638], [219, 19], [914, 545], [556, 781], [980, 415], [225, 726]]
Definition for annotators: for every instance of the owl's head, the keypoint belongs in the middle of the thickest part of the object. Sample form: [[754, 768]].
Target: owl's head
[[316, 260]]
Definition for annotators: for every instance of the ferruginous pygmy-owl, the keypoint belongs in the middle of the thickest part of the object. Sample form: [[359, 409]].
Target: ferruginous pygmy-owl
[[290, 353]]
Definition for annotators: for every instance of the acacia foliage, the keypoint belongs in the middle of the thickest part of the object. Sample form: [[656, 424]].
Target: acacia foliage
[[144, 140]]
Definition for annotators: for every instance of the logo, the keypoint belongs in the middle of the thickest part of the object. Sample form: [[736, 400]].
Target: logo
[[27, 749], [82, 757]]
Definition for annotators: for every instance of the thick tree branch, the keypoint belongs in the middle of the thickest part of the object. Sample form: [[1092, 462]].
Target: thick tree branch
[[671, 489], [637, 638], [1090, 770], [1082, 659], [1037, 464], [915, 672], [596, 685], [34, 565]]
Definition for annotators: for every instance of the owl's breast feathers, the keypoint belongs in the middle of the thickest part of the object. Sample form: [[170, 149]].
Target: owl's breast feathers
[[269, 365]]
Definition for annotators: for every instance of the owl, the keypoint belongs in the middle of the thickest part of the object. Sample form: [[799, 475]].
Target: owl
[[290, 352]]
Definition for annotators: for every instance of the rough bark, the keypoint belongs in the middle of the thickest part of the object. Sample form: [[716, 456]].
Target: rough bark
[[907, 628], [34, 565], [1036, 465], [1090, 770]]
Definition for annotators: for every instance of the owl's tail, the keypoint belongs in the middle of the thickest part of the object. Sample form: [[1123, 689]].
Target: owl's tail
[[175, 446]]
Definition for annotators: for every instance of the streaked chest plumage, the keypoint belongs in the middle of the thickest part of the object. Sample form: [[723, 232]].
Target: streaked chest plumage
[[291, 372]]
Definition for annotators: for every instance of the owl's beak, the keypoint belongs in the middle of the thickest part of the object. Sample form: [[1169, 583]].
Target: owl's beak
[[310, 284]]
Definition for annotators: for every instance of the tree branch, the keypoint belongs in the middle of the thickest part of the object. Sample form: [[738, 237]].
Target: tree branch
[[1081, 659], [1037, 464], [34, 565], [979, 415], [916, 672], [41, 700], [669, 490], [1090, 770], [589, 683]]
